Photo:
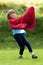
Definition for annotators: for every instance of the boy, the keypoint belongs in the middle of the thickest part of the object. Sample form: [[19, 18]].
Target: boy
[[19, 35]]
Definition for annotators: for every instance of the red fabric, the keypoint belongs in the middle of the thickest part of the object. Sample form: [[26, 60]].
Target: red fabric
[[26, 21]]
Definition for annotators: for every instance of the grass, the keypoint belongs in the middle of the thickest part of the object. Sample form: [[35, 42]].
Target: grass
[[9, 49], [8, 42], [10, 57]]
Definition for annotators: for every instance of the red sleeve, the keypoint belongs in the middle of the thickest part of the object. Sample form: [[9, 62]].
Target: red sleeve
[[16, 20], [12, 25]]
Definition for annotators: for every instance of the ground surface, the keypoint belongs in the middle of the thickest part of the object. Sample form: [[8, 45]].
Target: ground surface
[[10, 57]]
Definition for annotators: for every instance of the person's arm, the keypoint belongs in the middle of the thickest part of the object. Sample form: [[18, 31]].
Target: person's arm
[[18, 26], [16, 20]]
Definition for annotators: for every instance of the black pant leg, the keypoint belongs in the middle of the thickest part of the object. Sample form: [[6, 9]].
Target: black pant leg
[[25, 41], [20, 43]]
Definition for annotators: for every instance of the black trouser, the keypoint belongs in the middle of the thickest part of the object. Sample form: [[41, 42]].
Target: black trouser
[[22, 42]]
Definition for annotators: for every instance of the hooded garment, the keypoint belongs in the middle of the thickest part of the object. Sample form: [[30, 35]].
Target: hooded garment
[[27, 21]]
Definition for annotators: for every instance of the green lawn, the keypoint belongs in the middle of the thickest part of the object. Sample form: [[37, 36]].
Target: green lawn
[[9, 49], [10, 57]]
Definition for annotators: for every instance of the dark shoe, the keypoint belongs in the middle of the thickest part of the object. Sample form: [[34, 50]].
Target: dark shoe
[[34, 57], [20, 56]]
